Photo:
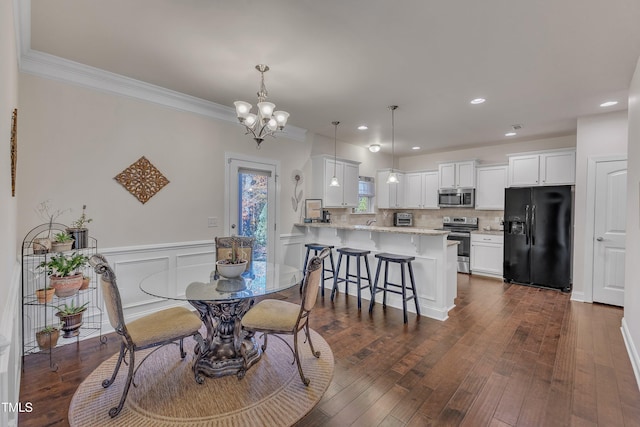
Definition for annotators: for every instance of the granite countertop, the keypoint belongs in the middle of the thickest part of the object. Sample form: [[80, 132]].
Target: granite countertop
[[492, 232], [375, 228]]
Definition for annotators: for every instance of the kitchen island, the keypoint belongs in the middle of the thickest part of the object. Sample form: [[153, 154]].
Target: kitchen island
[[434, 266]]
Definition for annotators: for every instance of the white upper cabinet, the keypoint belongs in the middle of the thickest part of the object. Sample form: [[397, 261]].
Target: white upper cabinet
[[421, 190], [490, 184], [457, 175], [347, 173], [546, 168], [390, 196]]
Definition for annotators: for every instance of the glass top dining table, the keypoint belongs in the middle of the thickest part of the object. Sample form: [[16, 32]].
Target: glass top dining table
[[199, 282], [221, 302]]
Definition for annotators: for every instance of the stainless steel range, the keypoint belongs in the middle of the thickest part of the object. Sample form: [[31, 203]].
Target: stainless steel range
[[460, 228]]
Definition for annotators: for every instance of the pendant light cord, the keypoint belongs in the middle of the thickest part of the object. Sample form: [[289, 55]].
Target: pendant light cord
[[393, 133]]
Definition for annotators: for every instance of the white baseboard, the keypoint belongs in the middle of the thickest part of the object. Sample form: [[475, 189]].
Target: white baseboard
[[578, 296], [632, 350]]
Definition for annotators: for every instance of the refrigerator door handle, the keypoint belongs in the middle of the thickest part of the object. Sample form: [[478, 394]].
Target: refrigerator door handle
[[526, 224], [533, 224]]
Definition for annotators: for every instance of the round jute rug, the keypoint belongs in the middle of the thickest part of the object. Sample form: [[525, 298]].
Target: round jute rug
[[270, 394]]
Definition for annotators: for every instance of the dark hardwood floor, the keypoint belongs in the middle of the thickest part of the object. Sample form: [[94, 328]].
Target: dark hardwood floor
[[508, 355]]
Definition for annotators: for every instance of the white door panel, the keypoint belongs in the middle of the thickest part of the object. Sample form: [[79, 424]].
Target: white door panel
[[609, 232]]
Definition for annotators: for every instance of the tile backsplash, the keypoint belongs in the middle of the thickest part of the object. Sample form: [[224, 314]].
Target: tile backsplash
[[423, 218]]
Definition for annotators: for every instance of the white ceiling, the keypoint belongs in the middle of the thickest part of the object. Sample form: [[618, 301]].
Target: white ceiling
[[541, 64]]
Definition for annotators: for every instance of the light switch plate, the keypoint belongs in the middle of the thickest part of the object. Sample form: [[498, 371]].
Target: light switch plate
[[212, 221]]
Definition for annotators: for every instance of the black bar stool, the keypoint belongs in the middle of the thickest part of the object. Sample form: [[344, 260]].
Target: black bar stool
[[317, 248], [402, 260], [352, 278]]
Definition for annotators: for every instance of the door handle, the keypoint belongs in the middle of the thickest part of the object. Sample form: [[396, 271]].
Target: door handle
[[599, 239], [533, 224], [526, 225], [233, 226]]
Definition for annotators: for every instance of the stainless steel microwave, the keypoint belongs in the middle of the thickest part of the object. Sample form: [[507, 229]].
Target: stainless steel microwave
[[456, 198]]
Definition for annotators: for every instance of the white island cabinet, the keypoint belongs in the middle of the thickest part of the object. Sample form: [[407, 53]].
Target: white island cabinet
[[433, 267]]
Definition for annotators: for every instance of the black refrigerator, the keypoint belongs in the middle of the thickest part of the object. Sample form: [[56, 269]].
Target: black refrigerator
[[537, 236]]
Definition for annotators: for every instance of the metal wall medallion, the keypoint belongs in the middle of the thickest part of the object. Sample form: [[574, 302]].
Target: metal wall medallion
[[142, 179]]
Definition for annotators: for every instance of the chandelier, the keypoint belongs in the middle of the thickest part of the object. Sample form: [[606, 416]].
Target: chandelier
[[267, 121], [393, 177]]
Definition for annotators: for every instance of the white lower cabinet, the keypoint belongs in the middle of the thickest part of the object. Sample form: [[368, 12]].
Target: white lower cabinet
[[486, 254]]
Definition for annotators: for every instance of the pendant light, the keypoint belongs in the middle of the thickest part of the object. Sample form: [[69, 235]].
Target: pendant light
[[393, 177], [334, 181]]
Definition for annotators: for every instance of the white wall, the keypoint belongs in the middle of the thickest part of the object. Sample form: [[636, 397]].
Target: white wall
[[631, 321], [9, 268], [598, 135], [75, 140]]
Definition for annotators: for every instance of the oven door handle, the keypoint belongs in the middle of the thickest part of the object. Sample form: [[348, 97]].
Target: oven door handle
[[457, 234]]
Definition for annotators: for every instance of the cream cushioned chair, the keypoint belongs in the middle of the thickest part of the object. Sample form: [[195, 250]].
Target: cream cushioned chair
[[278, 317], [155, 330]]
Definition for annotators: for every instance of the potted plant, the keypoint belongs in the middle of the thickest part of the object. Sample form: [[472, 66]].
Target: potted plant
[[47, 337], [45, 295], [233, 266], [79, 231], [63, 271], [42, 244], [71, 316], [61, 242]]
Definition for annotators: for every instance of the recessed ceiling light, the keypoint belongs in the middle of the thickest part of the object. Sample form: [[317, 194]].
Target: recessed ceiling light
[[415, 148], [510, 134], [478, 101], [374, 148], [608, 103], [362, 127]]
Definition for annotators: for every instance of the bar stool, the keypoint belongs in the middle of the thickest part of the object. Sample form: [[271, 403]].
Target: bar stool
[[357, 278], [402, 260], [317, 248]]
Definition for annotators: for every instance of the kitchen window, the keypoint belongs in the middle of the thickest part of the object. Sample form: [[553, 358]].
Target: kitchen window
[[366, 194]]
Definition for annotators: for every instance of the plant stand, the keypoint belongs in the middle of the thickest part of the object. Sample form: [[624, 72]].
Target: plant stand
[[37, 315]]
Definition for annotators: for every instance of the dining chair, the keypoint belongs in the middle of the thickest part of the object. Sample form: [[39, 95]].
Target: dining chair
[[243, 244], [277, 317], [154, 330]]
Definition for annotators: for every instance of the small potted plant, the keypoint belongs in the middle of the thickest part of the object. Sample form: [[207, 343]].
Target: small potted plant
[[61, 242], [71, 316], [85, 282], [79, 231], [45, 295], [64, 274], [233, 266], [47, 337]]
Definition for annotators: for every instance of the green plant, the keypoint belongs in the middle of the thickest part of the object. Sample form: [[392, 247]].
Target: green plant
[[48, 329], [62, 238], [71, 309], [82, 221], [64, 265]]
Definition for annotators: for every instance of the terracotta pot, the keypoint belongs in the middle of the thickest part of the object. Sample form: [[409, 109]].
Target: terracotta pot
[[47, 340], [72, 324], [61, 246], [45, 295], [66, 286], [41, 245], [85, 283]]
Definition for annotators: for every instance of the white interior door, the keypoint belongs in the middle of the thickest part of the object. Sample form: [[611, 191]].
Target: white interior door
[[252, 201], [609, 232]]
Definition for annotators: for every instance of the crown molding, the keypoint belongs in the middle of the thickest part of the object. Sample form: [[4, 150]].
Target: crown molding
[[53, 67]]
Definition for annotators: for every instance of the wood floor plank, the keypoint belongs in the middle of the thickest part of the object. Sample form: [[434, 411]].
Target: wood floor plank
[[508, 355]]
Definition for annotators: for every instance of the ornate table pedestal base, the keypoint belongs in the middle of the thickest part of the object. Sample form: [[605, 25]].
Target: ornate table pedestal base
[[225, 350]]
